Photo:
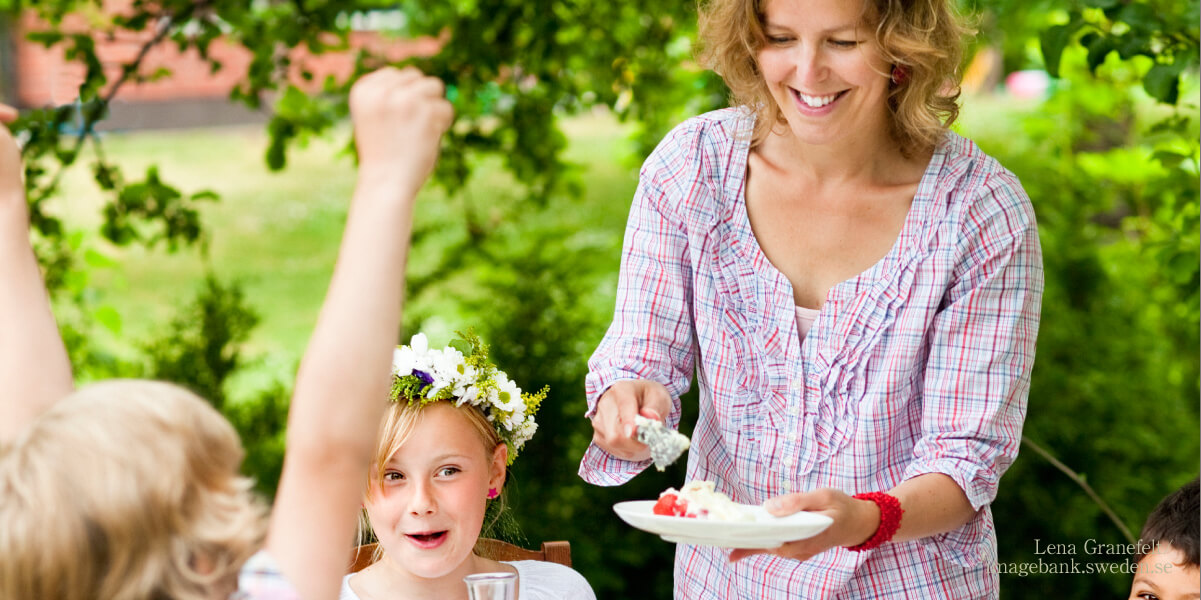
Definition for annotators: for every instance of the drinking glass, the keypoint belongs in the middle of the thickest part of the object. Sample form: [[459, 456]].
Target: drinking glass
[[491, 586]]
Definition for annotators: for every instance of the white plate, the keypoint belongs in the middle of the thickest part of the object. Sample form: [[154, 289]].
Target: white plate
[[753, 544], [762, 531]]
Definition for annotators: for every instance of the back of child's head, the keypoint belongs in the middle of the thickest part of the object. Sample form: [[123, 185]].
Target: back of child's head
[[1176, 522], [125, 490]]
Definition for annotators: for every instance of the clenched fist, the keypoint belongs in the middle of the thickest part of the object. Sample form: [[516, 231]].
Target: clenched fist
[[399, 117]]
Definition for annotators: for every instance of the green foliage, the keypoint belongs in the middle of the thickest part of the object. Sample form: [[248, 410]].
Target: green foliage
[[260, 422], [200, 350], [150, 204], [511, 67], [77, 308], [201, 347], [514, 65], [1110, 160], [1159, 31], [1114, 180]]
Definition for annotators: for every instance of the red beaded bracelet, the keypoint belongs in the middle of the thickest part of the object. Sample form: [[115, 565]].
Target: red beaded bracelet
[[890, 519]]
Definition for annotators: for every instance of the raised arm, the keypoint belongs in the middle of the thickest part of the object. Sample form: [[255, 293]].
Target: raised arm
[[34, 370], [399, 118]]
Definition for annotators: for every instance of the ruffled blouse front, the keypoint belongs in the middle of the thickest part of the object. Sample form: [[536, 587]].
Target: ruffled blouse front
[[920, 364]]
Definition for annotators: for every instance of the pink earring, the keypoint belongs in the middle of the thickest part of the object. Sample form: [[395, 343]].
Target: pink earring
[[899, 74], [492, 494]]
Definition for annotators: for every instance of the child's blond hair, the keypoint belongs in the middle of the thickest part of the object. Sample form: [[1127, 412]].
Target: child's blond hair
[[125, 489]]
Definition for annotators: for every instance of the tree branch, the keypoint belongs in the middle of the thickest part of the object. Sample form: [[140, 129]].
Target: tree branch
[[1074, 476], [162, 28]]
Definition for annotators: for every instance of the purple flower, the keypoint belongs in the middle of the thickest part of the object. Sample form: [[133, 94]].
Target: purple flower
[[425, 378]]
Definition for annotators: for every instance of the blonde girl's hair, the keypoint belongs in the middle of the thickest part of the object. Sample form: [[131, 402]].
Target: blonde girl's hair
[[125, 490], [925, 38], [400, 419]]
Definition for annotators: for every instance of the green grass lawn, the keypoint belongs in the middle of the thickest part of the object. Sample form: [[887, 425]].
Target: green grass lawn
[[278, 233]]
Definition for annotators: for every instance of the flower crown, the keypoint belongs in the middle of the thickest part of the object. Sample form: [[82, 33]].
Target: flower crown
[[461, 373]]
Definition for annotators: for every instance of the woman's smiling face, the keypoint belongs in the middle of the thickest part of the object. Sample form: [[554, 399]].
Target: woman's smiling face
[[429, 509], [825, 70]]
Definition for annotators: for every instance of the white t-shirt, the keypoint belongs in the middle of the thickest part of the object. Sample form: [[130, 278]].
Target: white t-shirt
[[536, 580]]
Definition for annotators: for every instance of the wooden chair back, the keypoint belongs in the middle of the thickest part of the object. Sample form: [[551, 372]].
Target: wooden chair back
[[556, 552]]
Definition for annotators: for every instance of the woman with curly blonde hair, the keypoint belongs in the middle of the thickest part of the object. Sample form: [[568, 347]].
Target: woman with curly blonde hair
[[921, 48], [855, 288]]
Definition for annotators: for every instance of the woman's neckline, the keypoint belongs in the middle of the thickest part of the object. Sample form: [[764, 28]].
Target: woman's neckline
[[914, 217]]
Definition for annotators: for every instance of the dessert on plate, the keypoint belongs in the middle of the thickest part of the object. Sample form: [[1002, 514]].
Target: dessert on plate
[[700, 500]]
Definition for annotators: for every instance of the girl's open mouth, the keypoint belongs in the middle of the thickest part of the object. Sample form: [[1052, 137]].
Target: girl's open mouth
[[427, 540]]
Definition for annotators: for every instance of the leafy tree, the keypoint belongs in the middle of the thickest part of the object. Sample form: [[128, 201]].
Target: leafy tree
[[1111, 161], [513, 69], [202, 345]]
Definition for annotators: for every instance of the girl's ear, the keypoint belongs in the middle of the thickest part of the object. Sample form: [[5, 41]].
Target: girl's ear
[[500, 456]]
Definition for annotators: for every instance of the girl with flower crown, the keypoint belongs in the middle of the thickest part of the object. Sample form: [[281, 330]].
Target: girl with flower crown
[[453, 424]]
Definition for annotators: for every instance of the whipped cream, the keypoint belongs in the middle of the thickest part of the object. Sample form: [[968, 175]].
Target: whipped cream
[[700, 500]]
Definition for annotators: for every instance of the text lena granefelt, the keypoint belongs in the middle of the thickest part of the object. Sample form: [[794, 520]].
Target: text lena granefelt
[[1093, 547]]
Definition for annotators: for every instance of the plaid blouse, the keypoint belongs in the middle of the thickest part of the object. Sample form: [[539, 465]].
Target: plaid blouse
[[920, 364]]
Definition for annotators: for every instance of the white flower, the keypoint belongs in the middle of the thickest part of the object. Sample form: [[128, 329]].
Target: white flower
[[525, 431], [437, 371], [504, 421], [451, 377], [444, 367], [419, 344], [466, 392], [520, 422], [509, 397], [466, 373], [404, 360]]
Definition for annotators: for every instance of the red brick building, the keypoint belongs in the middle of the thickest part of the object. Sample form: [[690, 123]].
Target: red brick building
[[193, 95]]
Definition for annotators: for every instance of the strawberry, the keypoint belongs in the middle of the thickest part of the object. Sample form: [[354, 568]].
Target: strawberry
[[669, 505], [666, 505]]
